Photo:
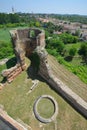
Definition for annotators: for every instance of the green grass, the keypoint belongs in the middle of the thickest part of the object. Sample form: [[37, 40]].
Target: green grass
[[2, 67], [6, 49], [76, 67], [4, 35], [19, 104], [76, 45], [45, 108]]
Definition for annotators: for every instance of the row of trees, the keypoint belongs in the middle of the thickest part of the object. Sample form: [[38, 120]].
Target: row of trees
[[9, 18], [14, 20]]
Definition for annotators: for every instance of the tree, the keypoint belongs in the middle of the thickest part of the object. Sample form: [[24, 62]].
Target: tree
[[9, 18], [83, 52], [72, 51], [14, 18], [68, 38], [55, 43], [37, 24]]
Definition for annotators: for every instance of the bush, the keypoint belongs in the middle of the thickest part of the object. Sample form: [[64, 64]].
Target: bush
[[68, 38], [60, 60], [72, 52], [83, 52], [55, 43], [52, 52], [6, 49]]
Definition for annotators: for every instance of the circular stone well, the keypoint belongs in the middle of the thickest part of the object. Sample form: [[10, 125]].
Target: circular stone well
[[45, 108]]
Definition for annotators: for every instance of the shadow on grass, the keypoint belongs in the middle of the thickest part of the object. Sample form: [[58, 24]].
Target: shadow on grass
[[4, 80], [11, 62], [32, 71], [68, 58]]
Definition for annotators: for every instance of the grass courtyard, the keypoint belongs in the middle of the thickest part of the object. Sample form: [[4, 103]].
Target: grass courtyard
[[19, 105]]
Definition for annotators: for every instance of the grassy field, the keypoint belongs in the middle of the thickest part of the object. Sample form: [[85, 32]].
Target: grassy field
[[4, 35], [45, 108], [76, 45], [19, 105]]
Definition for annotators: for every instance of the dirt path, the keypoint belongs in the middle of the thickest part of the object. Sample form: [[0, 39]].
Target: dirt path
[[68, 78]]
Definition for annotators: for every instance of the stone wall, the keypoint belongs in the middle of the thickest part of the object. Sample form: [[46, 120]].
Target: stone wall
[[45, 71], [13, 72], [10, 122], [23, 44]]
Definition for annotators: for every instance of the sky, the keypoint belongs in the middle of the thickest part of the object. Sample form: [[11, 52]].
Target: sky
[[45, 6]]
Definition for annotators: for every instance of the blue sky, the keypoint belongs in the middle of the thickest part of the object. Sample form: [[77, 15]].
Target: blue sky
[[45, 6]]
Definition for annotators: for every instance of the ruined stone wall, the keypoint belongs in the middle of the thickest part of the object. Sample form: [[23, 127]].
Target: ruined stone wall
[[45, 71], [10, 122], [13, 72], [23, 44]]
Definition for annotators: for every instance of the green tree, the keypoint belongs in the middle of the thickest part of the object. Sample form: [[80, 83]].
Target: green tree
[[14, 18], [72, 51], [37, 24], [83, 52], [55, 43], [68, 38], [9, 18]]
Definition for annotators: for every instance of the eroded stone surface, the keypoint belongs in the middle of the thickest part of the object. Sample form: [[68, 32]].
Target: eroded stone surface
[[24, 43]]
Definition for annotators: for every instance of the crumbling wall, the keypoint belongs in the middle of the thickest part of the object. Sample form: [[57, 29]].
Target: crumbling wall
[[12, 72], [45, 71], [10, 122], [23, 44]]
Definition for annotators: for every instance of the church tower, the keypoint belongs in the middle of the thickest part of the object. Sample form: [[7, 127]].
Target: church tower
[[13, 10]]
